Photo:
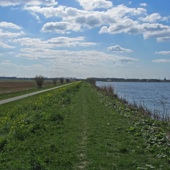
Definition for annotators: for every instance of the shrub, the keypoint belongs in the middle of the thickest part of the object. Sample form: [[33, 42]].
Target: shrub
[[61, 80], [67, 80], [54, 81], [39, 80]]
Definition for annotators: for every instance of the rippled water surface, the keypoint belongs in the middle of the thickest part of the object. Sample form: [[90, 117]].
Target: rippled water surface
[[154, 96]]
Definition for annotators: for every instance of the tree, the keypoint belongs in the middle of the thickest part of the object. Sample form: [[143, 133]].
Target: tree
[[54, 81], [39, 80], [67, 80], [61, 80]]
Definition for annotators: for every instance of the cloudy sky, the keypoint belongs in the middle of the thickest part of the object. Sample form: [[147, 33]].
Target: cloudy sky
[[85, 38]]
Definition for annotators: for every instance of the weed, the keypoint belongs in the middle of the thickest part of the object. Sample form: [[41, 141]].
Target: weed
[[3, 141], [56, 117]]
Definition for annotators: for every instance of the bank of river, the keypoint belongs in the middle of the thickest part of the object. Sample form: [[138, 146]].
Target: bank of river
[[154, 96], [80, 127]]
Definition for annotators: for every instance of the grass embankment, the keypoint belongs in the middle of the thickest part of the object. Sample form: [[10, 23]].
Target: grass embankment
[[78, 127]]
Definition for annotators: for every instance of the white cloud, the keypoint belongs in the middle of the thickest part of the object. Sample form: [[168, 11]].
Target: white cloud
[[125, 25], [152, 18], [4, 45], [10, 30], [6, 62], [163, 52], [143, 4], [70, 42], [114, 20], [71, 18], [89, 21], [161, 61], [118, 48], [95, 4], [7, 34], [60, 27], [53, 42], [124, 21], [46, 11], [9, 25], [122, 11], [117, 18], [155, 30], [70, 66], [27, 70], [71, 59], [28, 2], [163, 39]]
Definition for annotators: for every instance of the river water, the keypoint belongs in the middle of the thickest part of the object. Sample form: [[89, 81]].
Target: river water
[[155, 96]]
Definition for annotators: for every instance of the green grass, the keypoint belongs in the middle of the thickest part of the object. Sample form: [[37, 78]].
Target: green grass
[[78, 127]]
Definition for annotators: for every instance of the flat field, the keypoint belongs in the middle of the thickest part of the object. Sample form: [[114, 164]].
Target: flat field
[[15, 86], [11, 88], [77, 127]]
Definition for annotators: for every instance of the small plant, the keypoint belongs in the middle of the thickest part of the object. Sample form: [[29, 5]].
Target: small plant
[[3, 141], [39, 80], [57, 117], [123, 150], [109, 90]]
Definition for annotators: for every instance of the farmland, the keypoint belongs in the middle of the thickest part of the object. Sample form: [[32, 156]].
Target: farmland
[[11, 88], [15, 86], [79, 127]]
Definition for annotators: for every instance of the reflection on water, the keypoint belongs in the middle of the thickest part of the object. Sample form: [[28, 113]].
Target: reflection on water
[[154, 96]]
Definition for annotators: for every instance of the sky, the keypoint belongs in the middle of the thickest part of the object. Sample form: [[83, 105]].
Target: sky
[[85, 38]]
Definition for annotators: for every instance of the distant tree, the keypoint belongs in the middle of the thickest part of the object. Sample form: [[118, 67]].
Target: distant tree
[[67, 80], [54, 81], [39, 81], [61, 80], [92, 81]]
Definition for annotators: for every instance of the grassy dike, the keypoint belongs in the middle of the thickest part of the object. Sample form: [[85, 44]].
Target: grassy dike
[[78, 127]]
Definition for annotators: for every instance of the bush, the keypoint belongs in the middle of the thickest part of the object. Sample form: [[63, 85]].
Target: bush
[[54, 81], [67, 80], [61, 80], [39, 80]]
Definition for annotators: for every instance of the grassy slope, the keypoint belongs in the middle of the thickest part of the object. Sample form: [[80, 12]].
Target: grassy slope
[[78, 129]]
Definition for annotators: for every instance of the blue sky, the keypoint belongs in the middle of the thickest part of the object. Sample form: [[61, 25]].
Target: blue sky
[[85, 38]]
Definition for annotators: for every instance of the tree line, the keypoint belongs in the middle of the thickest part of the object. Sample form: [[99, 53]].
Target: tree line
[[40, 80]]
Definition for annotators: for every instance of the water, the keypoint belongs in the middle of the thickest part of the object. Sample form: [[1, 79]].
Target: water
[[154, 96]]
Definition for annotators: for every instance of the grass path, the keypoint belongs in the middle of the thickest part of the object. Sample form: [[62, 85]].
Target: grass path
[[105, 142], [98, 139], [83, 140], [80, 129]]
